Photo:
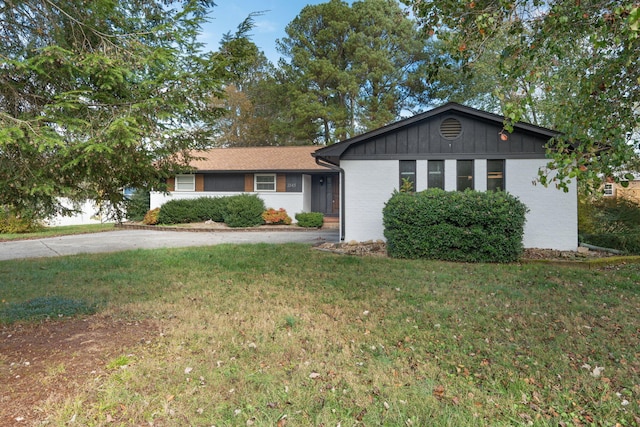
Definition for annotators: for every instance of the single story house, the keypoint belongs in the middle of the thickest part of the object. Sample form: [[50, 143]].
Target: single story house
[[284, 177], [452, 147]]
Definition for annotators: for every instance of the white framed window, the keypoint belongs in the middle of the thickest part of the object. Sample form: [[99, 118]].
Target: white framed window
[[185, 183], [264, 182], [609, 191]]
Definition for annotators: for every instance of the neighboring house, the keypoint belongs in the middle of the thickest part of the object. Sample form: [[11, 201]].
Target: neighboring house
[[284, 177], [452, 147], [616, 190]]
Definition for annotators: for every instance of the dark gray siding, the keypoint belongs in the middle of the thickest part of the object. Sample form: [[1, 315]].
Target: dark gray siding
[[224, 182], [294, 183], [423, 140]]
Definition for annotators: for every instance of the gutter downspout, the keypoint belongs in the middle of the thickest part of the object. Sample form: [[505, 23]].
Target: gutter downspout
[[327, 164]]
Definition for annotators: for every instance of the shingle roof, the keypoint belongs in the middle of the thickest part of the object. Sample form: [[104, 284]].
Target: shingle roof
[[257, 159]]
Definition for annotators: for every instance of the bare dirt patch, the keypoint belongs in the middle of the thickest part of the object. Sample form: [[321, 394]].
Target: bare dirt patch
[[44, 363]]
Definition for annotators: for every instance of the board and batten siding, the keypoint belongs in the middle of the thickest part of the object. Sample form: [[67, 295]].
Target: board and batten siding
[[551, 220], [422, 140]]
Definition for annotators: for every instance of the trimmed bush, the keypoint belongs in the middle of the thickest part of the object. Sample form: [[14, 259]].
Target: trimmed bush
[[183, 211], [468, 226], [310, 219], [210, 208], [276, 217], [244, 210], [151, 217], [177, 211]]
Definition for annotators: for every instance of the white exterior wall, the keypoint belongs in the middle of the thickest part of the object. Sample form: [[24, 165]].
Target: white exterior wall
[[88, 215], [552, 221], [480, 174], [369, 184], [292, 202], [450, 175], [422, 175]]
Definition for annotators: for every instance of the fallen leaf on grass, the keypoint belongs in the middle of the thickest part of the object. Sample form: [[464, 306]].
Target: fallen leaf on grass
[[438, 392]]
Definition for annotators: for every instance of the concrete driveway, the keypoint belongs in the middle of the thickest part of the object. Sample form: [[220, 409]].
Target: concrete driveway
[[122, 240]]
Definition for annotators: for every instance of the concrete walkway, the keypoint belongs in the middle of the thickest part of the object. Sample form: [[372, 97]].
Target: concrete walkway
[[122, 240]]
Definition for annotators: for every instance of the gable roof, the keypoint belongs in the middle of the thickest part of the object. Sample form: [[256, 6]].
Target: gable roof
[[257, 159], [333, 153]]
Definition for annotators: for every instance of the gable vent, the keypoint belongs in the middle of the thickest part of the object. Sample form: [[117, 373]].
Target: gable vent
[[450, 128]]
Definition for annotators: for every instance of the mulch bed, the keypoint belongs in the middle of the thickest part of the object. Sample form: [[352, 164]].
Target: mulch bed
[[379, 249]]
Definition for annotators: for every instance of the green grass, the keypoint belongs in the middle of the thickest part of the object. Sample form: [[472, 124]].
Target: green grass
[[41, 308], [58, 231], [258, 332]]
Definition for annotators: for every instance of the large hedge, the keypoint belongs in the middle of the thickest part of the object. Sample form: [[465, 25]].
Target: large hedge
[[177, 211], [181, 211], [468, 226]]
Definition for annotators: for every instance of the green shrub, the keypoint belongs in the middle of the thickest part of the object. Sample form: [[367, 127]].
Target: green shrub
[[177, 211], [310, 219], [244, 210], [14, 223], [183, 211], [210, 208], [468, 226], [151, 217], [43, 308], [138, 205]]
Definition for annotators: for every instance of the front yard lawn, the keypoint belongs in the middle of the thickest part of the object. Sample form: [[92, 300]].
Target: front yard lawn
[[270, 335]]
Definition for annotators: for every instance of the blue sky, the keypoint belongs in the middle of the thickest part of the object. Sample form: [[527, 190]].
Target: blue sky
[[226, 16]]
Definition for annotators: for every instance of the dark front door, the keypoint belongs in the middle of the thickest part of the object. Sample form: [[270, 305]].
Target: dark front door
[[325, 194]]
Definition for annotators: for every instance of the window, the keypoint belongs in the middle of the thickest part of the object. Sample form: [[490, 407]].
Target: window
[[435, 172], [495, 175], [185, 183], [408, 174], [609, 190], [265, 182], [465, 174]]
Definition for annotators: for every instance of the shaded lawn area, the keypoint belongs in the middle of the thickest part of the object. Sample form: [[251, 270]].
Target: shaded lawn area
[[268, 334], [64, 230]]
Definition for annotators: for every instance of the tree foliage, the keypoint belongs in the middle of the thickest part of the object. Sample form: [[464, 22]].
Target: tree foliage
[[575, 62], [352, 68], [99, 96], [249, 106]]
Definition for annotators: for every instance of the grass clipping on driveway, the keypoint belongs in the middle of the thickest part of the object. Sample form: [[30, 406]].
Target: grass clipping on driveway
[[281, 335]]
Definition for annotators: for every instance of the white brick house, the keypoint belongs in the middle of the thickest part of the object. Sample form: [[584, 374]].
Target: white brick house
[[451, 147]]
